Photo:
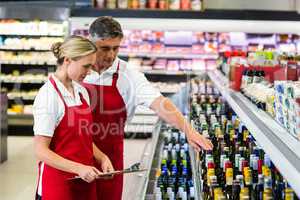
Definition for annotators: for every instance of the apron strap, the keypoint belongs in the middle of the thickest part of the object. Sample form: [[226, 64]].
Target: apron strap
[[116, 75], [57, 90], [82, 99]]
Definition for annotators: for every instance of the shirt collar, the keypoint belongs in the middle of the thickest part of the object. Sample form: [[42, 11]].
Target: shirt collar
[[63, 89], [112, 69], [109, 71]]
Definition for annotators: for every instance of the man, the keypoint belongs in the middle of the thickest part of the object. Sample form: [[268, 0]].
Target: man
[[115, 91]]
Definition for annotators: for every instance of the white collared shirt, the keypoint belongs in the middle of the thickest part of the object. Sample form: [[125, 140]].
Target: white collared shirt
[[133, 86], [48, 107]]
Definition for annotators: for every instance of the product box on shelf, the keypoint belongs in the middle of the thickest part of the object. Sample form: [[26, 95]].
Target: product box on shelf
[[237, 73], [287, 104]]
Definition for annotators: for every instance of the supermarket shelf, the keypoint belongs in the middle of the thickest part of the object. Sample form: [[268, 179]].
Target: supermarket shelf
[[282, 147], [20, 98], [141, 110], [25, 50], [35, 10], [20, 119], [32, 62], [22, 82], [144, 119], [166, 72], [170, 55], [18, 34], [168, 92], [207, 14], [137, 22]]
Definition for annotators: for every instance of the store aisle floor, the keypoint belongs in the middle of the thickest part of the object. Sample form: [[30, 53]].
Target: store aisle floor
[[18, 174]]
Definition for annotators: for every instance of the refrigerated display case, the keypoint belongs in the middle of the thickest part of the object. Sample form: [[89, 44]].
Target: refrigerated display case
[[268, 137]]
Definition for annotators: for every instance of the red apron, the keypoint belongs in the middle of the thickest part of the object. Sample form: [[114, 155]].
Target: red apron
[[109, 114], [71, 140]]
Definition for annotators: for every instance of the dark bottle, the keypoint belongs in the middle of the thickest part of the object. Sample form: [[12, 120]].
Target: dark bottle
[[250, 75], [259, 188], [244, 79], [268, 191], [229, 182], [256, 76], [236, 190]]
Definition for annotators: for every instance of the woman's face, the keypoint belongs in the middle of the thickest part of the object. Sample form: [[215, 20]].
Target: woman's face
[[79, 69]]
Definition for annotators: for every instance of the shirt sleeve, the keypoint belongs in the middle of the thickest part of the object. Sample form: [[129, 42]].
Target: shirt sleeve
[[145, 93], [45, 112]]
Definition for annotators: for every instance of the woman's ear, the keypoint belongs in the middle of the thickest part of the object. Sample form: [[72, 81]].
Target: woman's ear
[[67, 61]]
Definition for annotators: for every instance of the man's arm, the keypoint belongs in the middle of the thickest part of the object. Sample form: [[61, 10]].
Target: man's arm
[[166, 110]]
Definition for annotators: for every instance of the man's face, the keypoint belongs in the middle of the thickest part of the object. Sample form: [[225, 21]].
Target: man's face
[[108, 50]]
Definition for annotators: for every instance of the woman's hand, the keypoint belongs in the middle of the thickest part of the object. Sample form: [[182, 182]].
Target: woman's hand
[[88, 173], [102, 160], [105, 164]]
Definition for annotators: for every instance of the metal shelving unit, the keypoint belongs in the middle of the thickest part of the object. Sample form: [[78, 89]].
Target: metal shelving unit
[[169, 55], [166, 72], [282, 147], [55, 13]]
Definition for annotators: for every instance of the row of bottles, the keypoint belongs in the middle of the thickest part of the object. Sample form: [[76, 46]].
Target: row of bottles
[[174, 178], [236, 168], [150, 4]]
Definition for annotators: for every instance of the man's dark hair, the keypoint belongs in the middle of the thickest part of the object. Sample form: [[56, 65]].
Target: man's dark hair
[[105, 27]]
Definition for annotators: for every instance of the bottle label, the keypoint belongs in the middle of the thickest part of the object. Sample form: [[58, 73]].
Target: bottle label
[[229, 176], [248, 178], [289, 196], [210, 172], [245, 135]]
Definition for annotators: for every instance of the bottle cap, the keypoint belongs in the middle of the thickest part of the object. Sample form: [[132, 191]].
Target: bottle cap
[[255, 163], [224, 161], [192, 192], [259, 164], [177, 147], [239, 178], [228, 164], [237, 158], [244, 164], [222, 157], [267, 160], [169, 190], [157, 190], [211, 165], [241, 164], [180, 190]]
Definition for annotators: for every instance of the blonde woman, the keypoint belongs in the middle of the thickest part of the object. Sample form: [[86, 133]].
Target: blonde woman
[[62, 121]]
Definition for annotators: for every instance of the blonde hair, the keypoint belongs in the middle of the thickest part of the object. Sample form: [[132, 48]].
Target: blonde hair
[[74, 47]]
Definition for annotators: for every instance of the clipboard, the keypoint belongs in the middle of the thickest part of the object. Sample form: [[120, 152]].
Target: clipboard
[[105, 175], [133, 169]]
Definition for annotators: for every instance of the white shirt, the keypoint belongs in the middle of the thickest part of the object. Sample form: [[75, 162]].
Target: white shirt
[[133, 86], [49, 109]]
